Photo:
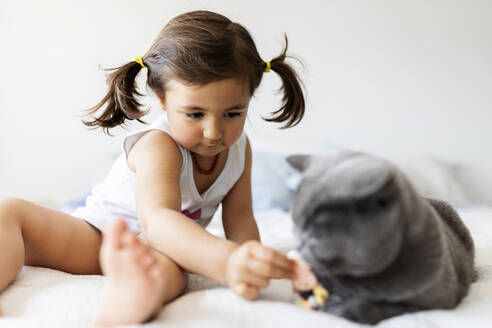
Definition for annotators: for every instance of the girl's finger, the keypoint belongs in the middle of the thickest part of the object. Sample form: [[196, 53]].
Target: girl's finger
[[268, 255], [246, 291], [252, 278], [269, 270]]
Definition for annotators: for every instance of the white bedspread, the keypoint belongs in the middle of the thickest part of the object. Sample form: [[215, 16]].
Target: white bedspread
[[48, 298]]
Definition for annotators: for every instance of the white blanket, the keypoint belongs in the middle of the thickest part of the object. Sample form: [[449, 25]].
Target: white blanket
[[48, 298]]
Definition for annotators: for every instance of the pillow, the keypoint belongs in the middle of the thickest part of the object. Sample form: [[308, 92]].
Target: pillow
[[434, 178], [270, 174], [274, 181]]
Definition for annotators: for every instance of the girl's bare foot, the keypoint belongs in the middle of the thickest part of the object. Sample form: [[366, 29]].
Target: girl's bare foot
[[133, 289]]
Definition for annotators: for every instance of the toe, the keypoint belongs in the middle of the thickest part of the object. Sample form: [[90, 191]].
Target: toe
[[140, 251], [147, 261], [155, 271], [129, 239], [114, 231]]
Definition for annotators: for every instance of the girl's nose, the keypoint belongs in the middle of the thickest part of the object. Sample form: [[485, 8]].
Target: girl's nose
[[213, 131]]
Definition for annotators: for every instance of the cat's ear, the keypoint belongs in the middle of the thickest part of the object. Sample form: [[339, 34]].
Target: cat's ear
[[299, 162]]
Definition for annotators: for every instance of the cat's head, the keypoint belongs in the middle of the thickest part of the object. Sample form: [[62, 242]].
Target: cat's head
[[349, 212]]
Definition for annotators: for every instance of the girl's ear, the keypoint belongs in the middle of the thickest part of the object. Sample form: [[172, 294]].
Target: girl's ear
[[299, 162]]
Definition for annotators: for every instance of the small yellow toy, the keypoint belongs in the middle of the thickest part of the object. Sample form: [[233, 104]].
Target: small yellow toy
[[313, 299]]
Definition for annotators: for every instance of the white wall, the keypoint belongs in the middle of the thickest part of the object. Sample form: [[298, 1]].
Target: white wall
[[387, 77]]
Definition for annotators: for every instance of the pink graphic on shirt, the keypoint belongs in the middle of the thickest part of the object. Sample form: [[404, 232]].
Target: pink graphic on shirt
[[195, 215]]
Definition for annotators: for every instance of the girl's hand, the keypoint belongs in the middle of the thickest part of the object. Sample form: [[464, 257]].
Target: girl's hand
[[252, 265]]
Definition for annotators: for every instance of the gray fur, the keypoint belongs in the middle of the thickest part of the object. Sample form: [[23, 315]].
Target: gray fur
[[373, 242]]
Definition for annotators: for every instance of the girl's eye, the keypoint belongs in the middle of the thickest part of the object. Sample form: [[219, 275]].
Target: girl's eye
[[234, 114], [194, 115]]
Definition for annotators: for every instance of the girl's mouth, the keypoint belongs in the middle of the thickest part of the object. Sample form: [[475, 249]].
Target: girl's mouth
[[212, 146]]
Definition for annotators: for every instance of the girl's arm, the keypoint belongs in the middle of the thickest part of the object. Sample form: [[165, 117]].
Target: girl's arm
[[157, 161], [252, 265], [237, 210]]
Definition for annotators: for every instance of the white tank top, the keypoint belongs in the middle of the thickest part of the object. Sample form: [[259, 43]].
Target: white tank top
[[115, 196]]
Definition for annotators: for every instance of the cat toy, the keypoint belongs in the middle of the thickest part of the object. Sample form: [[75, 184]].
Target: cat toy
[[310, 293]]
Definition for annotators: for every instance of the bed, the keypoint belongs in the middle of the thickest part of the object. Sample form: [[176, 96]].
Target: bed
[[41, 297]]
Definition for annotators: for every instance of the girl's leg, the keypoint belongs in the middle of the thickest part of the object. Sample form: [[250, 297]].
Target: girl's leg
[[139, 279], [38, 236]]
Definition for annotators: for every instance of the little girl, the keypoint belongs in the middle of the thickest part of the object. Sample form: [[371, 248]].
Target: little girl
[[169, 180]]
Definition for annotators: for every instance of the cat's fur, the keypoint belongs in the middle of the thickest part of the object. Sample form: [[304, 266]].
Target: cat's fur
[[373, 242]]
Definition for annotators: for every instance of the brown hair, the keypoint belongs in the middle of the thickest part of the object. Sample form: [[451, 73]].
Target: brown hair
[[197, 48]]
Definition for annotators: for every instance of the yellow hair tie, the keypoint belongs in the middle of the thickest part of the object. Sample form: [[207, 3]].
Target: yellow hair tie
[[268, 66], [140, 61]]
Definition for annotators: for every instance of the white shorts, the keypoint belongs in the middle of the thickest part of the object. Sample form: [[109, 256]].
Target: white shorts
[[100, 219]]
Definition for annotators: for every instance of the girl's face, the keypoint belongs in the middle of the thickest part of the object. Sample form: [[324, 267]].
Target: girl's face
[[207, 119]]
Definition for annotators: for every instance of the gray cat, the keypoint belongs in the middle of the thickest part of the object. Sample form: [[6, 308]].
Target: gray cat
[[377, 246]]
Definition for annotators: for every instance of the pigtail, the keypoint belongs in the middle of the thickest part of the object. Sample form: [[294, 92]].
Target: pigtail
[[120, 100], [293, 103]]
